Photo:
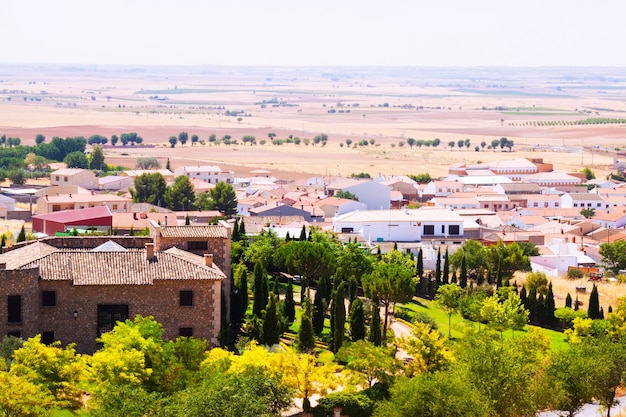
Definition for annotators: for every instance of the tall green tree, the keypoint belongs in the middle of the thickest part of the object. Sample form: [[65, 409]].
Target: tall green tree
[[357, 320], [289, 307], [260, 290], [375, 334], [149, 188], [463, 274], [76, 159], [593, 310], [306, 339], [448, 297], [96, 160], [438, 269], [319, 307], [180, 195], [339, 318], [614, 255], [390, 283], [223, 199], [183, 137], [271, 321], [21, 237]]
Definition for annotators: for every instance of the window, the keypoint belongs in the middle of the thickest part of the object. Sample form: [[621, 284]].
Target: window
[[47, 338], [443, 229], [185, 331], [429, 229], [186, 298], [14, 304], [191, 245], [454, 229], [48, 298], [56, 178], [109, 314], [347, 230], [114, 206], [65, 179]]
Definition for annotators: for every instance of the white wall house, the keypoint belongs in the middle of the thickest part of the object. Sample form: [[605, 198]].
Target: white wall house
[[582, 200], [374, 195], [426, 223], [209, 173], [74, 176]]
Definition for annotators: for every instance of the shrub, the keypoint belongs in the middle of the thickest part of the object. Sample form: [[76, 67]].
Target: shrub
[[403, 313], [621, 278], [574, 273], [351, 404], [421, 317]]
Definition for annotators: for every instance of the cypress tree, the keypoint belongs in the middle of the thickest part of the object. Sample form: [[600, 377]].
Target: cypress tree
[[601, 313], [167, 164], [242, 230], [395, 245], [431, 287], [610, 309], [339, 319], [420, 263], [593, 311], [302, 233], [235, 235], [532, 305], [438, 269], [353, 287], [576, 307], [423, 285], [446, 267], [306, 339], [271, 321], [260, 290], [319, 308], [275, 287], [568, 301], [289, 308], [379, 254], [549, 307], [3, 242], [540, 307], [375, 336], [463, 276], [480, 276], [243, 291], [131, 232], [287, 237], [187, 220], [238, 303], [453, 279], [523, 297], [357, 320]]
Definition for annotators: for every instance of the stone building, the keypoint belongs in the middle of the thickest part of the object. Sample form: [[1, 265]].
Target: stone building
[[73, 289]]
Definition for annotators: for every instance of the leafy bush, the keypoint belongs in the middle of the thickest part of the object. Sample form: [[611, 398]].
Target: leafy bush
[[403, 313], [574, 273], [621, 278], [351, 404], [421, 317]]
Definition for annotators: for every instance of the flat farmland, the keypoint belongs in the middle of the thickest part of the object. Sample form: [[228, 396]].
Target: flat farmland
[[540, 110]]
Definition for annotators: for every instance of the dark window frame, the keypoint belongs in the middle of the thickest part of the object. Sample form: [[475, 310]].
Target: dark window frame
[[14, 308], [185, 331], [429, 230], [48, 298], [109, 315], [454, 229], [185, 298], [198, 245]]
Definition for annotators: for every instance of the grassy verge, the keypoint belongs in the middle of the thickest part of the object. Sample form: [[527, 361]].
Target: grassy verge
[[459, 325]]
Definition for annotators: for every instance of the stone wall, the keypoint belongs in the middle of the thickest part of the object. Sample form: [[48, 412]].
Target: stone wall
[[161, 300]]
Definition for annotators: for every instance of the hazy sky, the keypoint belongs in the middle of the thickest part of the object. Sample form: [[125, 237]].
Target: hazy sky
[[315, 32]]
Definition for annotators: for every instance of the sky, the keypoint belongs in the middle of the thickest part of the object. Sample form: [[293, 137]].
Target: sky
[[314, 32]]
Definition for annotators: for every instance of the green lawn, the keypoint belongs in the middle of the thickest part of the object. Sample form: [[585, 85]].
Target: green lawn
[[459, 324]]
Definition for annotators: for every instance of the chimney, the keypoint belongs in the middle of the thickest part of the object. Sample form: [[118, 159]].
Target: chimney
[[134, 216], [208, 260], [166, 220], [149, 251]]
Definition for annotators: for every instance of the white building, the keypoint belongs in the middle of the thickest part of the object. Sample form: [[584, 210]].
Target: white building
[[209, 173], [426, 223]]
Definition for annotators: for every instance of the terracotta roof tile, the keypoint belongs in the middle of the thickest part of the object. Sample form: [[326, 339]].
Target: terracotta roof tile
[[85, 267], [210, 231]]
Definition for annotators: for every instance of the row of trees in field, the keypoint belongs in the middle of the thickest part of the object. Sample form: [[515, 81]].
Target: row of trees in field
[[581, 122]]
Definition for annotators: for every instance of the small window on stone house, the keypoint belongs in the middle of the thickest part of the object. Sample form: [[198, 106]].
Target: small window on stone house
[[14, 308], [48, 298], [185, 331], [195, 245], [186, 298]]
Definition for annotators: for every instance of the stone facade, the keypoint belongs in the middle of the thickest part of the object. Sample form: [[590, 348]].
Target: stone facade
[[50, 290]]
